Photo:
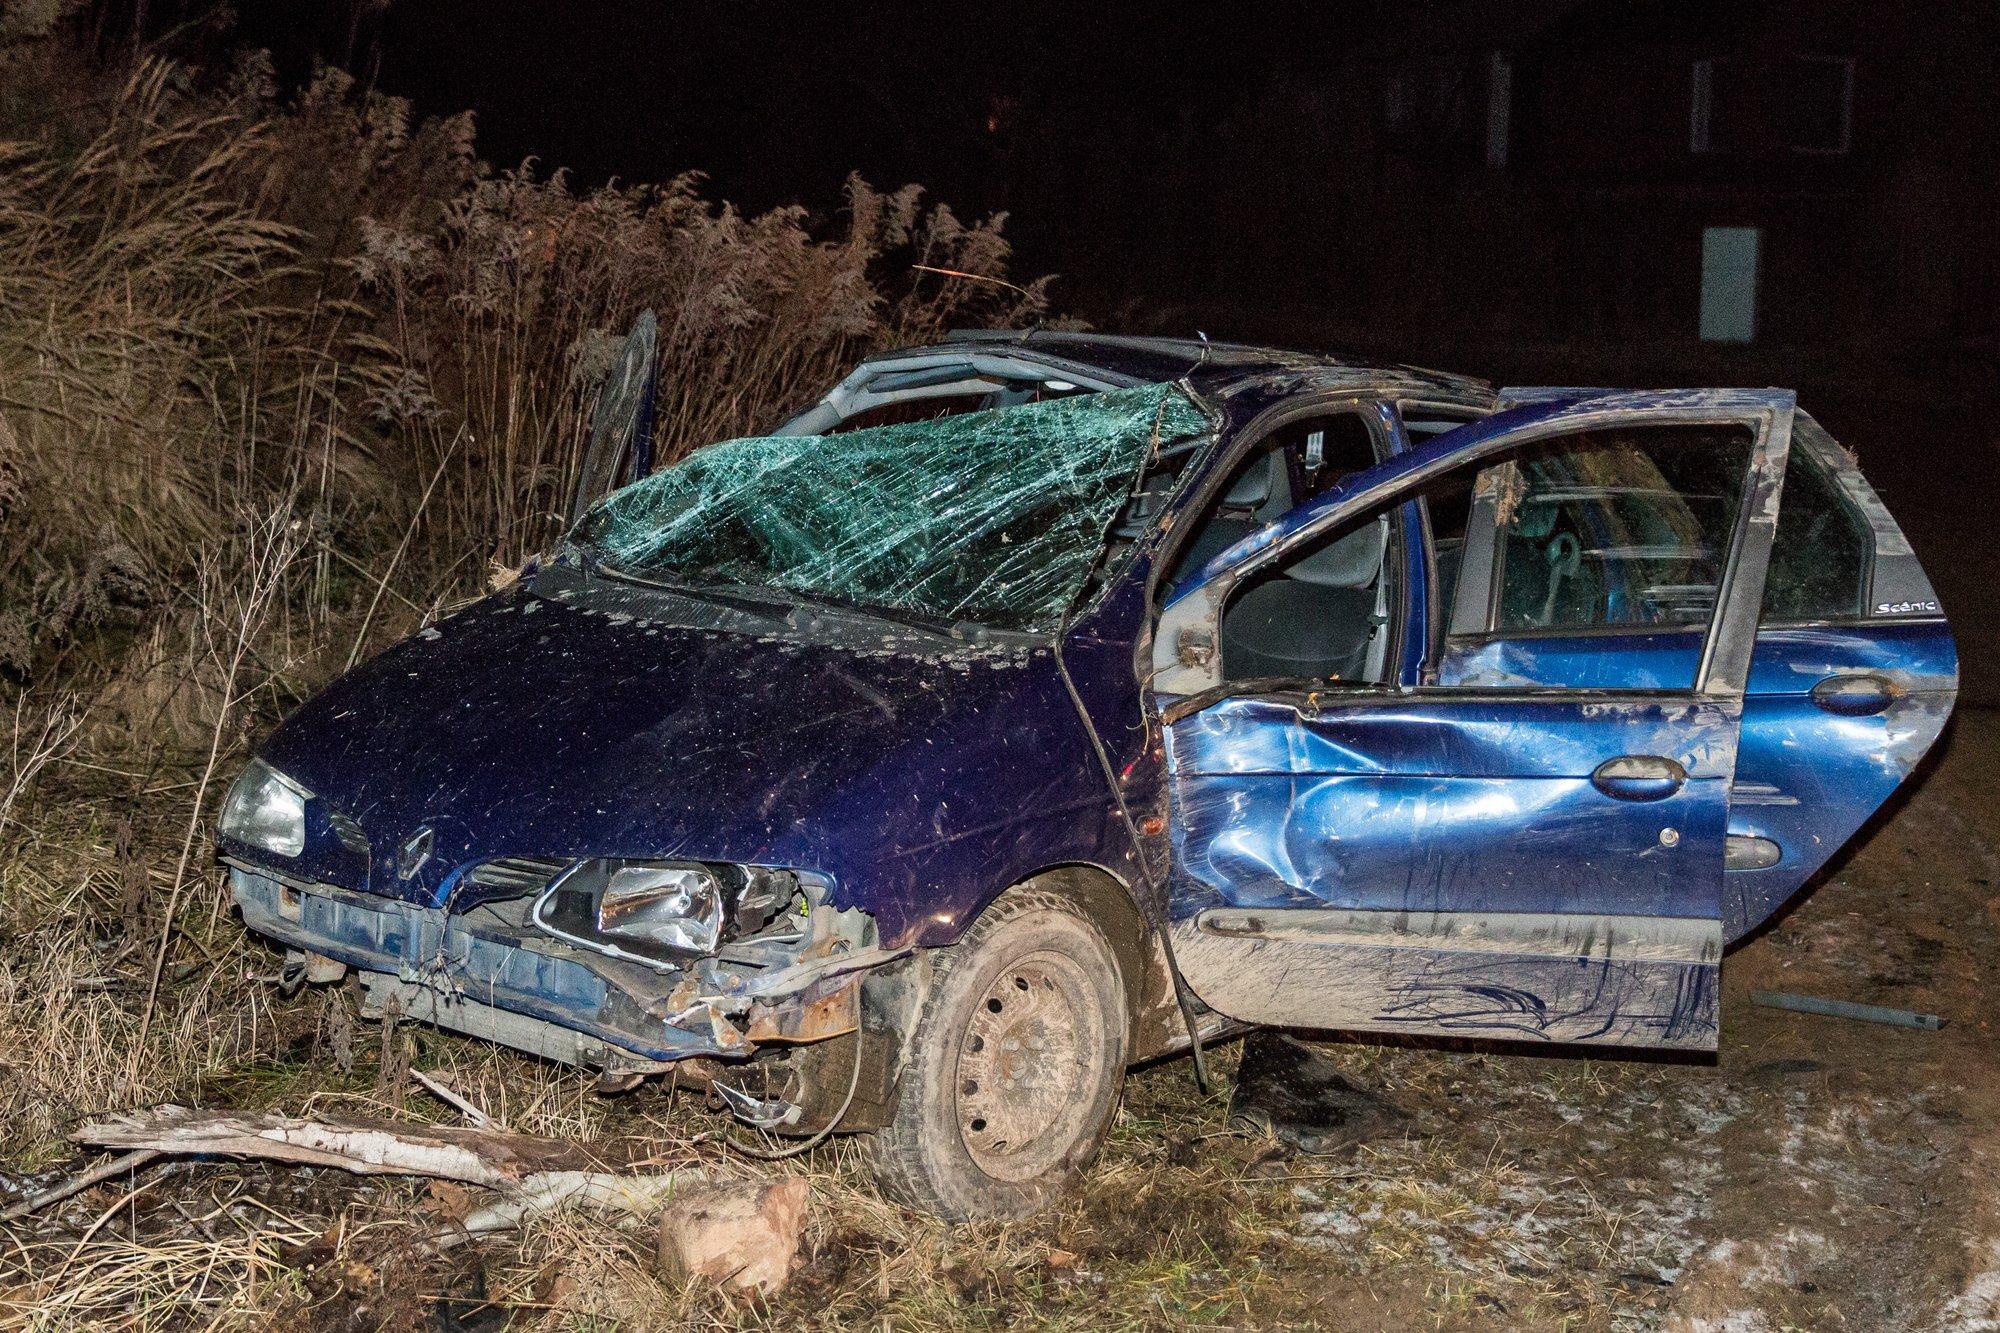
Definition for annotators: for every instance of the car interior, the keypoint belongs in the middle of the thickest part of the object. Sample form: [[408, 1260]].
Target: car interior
[[1318, 615]]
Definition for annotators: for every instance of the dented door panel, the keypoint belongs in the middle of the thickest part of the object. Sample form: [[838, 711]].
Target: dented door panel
[[1446, 803], [1504, 861], [1429, 813]]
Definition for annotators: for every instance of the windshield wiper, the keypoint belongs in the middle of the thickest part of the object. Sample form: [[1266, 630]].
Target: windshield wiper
[[895, 615], [716, 594]]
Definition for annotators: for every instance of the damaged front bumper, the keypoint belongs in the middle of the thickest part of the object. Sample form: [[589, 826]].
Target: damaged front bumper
[[488, 973]]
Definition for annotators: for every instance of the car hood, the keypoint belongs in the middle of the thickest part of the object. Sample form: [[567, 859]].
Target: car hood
[[530, 725]]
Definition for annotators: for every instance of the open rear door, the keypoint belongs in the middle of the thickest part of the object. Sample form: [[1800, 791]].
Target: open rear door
[[1851, 682], [1491, 857]]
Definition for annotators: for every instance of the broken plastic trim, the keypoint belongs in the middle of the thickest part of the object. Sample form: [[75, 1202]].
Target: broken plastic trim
[[995, 517], [490, 973]]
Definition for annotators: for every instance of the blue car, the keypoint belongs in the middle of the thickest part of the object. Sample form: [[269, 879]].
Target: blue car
[[1035, 704]]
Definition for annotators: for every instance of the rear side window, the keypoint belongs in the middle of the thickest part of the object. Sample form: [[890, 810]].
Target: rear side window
[[1618, 528], [1819, 561]]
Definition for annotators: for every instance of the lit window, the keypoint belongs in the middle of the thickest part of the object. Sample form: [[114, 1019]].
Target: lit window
[[1729, 283]]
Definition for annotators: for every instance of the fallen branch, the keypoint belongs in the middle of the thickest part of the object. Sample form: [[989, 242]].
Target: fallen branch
[[742, 1233], [497, 1159], [552, 1189], [78, 1183]]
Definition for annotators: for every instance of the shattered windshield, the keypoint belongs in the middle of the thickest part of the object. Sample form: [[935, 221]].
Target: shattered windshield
[[992, 517]]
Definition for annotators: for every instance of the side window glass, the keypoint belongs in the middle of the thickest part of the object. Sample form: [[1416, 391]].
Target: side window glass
[[1617, 528], [1819, 558]]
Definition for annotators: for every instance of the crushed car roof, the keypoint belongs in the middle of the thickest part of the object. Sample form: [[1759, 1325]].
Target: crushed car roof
[[1215, 367]]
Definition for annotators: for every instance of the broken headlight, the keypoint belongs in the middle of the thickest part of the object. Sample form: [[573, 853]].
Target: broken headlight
[[266, 809], [661, 912]]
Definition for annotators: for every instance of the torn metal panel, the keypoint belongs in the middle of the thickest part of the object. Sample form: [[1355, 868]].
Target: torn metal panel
[[487, 973]]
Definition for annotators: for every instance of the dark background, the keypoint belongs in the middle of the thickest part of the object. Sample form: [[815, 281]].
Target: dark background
[[1518, 190]]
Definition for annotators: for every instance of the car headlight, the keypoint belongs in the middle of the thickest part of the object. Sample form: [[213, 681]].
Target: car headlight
[[266, 809], [675, 907], [660, 912]]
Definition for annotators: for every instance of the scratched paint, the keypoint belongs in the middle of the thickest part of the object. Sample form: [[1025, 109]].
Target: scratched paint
[[1451, 992]]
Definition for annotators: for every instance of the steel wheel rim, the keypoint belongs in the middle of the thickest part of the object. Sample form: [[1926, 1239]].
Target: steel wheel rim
[[1024, 1076]]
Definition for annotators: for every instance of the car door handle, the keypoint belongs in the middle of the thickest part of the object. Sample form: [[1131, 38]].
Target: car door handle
[[1639, 777], [1855, 695]]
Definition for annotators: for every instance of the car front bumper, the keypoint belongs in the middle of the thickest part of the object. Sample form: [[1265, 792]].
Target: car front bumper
[[479, 974]]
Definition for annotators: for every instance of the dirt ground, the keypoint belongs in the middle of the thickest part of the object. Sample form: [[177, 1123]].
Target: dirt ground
[[1819, 1174]]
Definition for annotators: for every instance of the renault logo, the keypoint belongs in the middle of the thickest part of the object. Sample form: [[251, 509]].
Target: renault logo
[[415, 851]]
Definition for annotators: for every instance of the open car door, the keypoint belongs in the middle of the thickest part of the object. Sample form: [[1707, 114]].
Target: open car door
[[1851, 682], [1490, 857]]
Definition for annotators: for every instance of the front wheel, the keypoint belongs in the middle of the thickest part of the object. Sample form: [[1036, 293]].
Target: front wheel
[[1015, 1066]]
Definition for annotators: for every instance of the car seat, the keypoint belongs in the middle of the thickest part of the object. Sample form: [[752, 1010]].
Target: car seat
[[1262, 493], [1313, 620]]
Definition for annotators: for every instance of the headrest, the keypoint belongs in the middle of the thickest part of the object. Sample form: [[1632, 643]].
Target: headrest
[[1351, 562], [1253, 488]]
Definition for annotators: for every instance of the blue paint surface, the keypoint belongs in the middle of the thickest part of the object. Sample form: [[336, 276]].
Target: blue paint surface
[[530, 725], [1459, 802], [1806, 777]]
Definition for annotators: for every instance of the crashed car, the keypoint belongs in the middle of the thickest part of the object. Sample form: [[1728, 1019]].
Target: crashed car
[[1036, 704]]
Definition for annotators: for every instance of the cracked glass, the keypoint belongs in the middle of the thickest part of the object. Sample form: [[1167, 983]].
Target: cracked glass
[[994, 517]]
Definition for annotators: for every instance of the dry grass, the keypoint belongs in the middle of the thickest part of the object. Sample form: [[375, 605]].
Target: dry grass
[[1165, 1237], [278, 379]]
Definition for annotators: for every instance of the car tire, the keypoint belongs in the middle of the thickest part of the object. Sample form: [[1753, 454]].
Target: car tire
[[1014, 1068]]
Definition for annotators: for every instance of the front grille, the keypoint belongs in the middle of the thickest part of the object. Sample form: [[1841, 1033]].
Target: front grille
[[516, 874]]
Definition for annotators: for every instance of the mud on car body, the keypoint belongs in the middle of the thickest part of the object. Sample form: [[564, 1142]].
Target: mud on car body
[[1033, 703]]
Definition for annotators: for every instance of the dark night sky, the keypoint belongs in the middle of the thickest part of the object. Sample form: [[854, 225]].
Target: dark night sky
[[777, 101], [1233, 162]]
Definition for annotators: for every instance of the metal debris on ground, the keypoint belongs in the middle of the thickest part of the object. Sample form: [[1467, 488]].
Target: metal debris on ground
[[1860, 1013]]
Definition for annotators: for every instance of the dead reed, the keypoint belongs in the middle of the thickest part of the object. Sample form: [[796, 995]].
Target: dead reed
[[279, 378]]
